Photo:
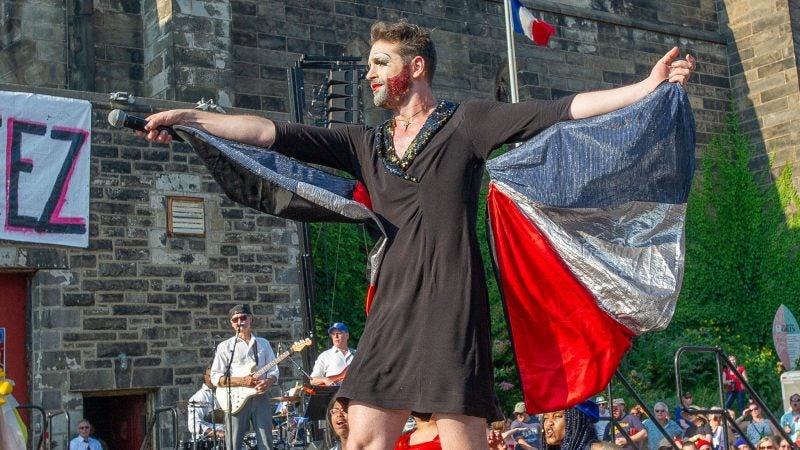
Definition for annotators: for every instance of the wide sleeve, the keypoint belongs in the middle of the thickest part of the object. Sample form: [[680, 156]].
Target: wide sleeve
[[501, 123], [330, 147]]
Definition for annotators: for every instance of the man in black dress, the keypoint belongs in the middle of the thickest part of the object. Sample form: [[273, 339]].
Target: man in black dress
[[426, 343]]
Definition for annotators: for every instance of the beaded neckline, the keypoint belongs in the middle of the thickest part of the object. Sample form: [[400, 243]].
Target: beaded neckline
[[384, 144]]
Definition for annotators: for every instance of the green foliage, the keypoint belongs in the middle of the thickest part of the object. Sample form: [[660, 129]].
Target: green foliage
[[339, 253]]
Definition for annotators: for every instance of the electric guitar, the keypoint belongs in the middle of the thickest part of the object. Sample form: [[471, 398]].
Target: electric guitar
[[336, 380], [241, 394]]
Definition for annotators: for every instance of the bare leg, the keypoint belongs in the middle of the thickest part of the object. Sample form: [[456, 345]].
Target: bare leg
[[461, 432], [373, 428]]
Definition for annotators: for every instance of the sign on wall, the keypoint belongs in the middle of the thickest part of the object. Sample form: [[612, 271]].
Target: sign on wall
[[45, 169], [786, 337]]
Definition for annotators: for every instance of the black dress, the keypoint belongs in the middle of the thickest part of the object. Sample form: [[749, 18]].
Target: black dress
[[426, 344]]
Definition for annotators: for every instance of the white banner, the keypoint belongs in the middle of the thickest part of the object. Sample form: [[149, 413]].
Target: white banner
[[46, 143]]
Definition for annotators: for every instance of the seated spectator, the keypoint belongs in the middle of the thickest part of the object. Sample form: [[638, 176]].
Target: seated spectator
[[527, 429], [686, 402], [628, 423], [758, 427], [84, 440], [703, 444], [767, 443], [717, 440], [500, 436], [573, 429], [700, 429], [424, 436], [791, 419], [337, 422], [741, 444], [654, 436]]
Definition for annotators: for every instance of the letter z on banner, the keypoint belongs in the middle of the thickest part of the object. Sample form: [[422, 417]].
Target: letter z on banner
[[46, 144]]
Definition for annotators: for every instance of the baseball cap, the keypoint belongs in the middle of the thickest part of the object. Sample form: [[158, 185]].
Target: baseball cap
[[618, 402], [687, 394], [338, 326], [600, 399], [520, 408], [240, 309], [739, 442]]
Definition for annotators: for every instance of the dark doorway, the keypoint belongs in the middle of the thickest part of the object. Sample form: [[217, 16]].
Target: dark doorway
[[119, 420]]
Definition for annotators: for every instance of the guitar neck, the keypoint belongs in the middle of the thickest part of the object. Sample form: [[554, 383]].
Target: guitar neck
[[271, 364]]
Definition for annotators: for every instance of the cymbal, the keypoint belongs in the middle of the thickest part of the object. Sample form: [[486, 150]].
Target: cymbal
[[216, 416], [287, 398]]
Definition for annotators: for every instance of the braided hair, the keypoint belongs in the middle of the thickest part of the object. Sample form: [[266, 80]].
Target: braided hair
[[579, 433]]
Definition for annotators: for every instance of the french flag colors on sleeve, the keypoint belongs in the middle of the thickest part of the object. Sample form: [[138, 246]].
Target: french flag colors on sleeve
[[526, 23], [587, 233]]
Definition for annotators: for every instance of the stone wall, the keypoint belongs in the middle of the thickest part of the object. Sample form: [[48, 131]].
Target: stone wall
[[763, 46], [161, 300]]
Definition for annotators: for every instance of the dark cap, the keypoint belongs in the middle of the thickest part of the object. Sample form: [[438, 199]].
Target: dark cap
[[687, 394], [240, 309]]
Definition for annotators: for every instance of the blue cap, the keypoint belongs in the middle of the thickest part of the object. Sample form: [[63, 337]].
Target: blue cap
[[739, 442], [589, 408], [338, 326]]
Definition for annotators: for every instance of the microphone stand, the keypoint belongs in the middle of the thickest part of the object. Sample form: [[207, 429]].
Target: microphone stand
[[228, 388], [214, 402]]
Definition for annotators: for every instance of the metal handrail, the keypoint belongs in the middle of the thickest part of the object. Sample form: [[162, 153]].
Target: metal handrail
[[155, 419], [44, 419], [50, 416], [639, 402], [722, 359]]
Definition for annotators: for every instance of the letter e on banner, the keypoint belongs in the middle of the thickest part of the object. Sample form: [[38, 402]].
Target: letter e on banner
[[46, 144]]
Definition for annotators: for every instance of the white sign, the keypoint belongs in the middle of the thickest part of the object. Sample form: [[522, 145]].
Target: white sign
[[46, 144]]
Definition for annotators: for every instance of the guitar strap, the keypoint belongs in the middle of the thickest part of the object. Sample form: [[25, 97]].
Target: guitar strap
[[255, 349]]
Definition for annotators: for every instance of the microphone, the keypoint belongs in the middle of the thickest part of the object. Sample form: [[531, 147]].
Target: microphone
[[118, 118]]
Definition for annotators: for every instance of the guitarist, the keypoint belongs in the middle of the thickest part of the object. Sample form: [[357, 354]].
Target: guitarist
[[331, 365], [249, 353]]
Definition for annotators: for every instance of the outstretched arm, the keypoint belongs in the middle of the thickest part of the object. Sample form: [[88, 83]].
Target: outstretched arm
[[252, 130], [590, 104]]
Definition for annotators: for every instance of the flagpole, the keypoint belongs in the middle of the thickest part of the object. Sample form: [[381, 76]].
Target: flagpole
[[512, 58]]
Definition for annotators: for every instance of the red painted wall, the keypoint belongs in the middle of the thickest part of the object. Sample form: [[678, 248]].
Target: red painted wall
[[13, 314]]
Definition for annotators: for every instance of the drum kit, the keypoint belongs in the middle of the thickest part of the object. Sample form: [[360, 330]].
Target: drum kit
[[289, 426]]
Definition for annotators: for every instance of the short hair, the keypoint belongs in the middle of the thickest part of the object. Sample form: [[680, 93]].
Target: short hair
[[412, 39]]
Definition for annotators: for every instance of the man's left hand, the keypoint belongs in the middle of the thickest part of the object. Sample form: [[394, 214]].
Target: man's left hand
[[669, 67]]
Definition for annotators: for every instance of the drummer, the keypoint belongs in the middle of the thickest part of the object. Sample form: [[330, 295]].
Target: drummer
[[331, 365], [202, 423]]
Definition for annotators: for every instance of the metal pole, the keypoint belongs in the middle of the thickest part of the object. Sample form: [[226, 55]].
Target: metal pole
[[512, 58]]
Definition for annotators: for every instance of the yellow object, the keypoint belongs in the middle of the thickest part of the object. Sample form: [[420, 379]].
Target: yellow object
[[13, 432]]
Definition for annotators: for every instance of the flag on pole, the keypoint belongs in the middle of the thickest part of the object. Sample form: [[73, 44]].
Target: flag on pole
[[526, 23]]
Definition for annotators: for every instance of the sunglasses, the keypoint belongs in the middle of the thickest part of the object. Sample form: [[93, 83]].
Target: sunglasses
[[335, 411], [242, 318], [765, 447], [660, 410]]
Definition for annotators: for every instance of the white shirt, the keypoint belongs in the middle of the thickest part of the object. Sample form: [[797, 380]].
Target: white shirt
[[244, 358], [332, 362], [79, 444], [206, 397]]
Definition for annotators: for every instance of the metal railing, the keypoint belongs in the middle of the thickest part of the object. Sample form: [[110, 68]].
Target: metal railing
[[722, 360], [44, 422], [50, 416], [157, 419]]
